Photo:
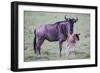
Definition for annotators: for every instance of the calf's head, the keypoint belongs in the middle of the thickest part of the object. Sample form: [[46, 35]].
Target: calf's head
[[72, 40]]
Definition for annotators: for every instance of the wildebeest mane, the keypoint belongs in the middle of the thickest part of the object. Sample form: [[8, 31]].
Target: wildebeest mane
[[59, 22]]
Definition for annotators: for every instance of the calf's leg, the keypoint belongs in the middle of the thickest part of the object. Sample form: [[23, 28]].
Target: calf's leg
[[60, 46]]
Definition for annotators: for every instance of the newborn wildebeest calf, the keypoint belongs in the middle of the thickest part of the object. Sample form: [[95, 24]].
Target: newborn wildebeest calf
[[71, 42]]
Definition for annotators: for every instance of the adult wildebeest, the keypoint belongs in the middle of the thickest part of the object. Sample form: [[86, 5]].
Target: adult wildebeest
[[58, 31]]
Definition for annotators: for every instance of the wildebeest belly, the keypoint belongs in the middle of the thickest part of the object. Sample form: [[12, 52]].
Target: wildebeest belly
[[51, 33]]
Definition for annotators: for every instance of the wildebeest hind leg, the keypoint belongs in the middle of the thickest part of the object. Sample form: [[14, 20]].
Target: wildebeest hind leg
[[38, 46]]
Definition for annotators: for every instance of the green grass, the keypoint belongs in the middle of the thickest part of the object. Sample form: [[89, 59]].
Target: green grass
[[50, 50]]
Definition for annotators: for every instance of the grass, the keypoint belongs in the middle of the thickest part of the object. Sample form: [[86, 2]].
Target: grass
[[50, 50]]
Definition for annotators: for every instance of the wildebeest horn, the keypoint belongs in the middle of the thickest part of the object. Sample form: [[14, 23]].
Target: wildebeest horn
[[75, 19], [66, 17]]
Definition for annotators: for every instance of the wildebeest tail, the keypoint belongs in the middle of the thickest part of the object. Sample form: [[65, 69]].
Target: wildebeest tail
[[34, 42]]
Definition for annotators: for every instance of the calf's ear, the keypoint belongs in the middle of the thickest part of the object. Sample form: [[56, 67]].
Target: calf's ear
[[78, 34]]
